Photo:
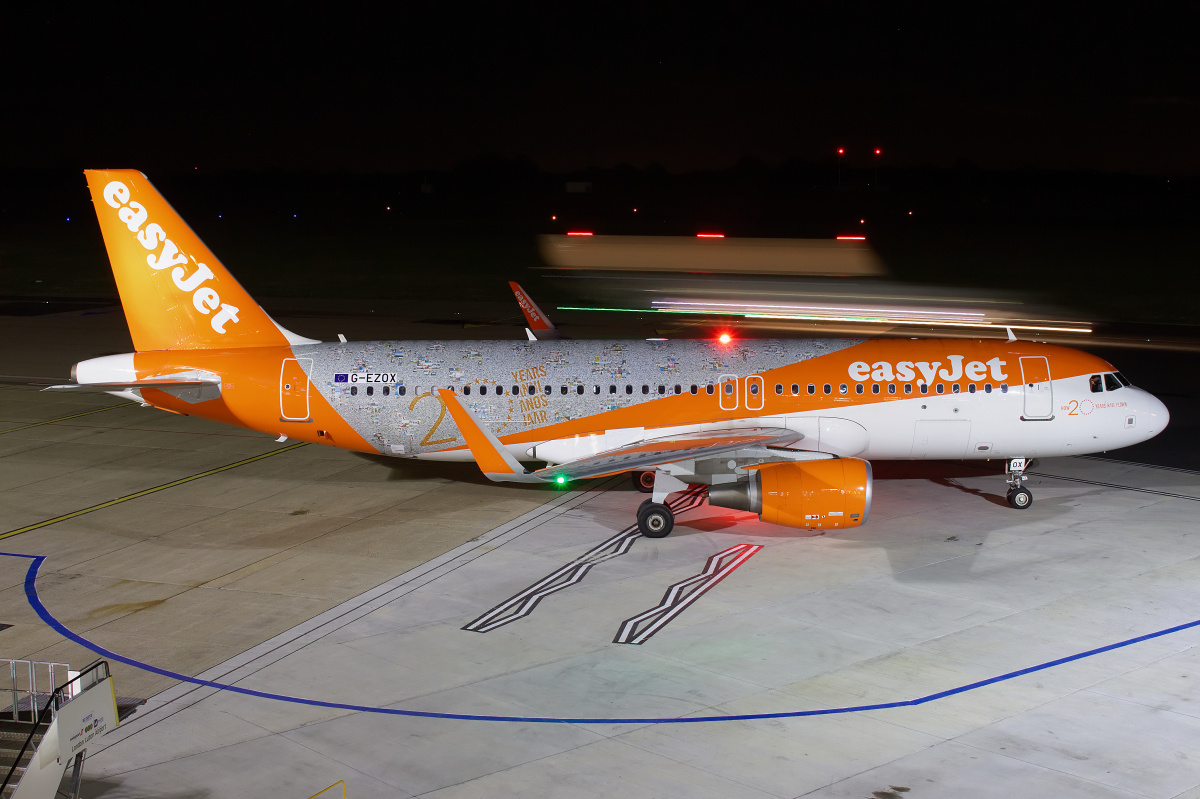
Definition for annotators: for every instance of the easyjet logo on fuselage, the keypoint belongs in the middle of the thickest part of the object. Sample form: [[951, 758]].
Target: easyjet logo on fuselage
[[904, 371], [204, 298]]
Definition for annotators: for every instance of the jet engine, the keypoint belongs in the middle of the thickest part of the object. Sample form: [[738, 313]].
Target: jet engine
[[825, 494]]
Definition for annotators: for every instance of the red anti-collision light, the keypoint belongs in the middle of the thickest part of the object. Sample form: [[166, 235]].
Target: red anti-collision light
[[851, 238], [579, 233], [710, 235]]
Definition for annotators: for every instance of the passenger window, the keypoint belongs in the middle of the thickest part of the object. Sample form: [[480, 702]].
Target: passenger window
[[402, 391], [955, 388], [612, 389], [858, 389], [828, 388], [891, 388], [532, 389], [563, 390], [579, 389], [728, 388], [812, 389], [596, 390], [629, 389], [678, 389], [1110, 383], [645, 388], [1095, 384], [874, 388], [908, 388], [843, 389], [370, 390], [662, 390], [546, 389], [795, 389], [354, 391], [779, 389], [1004, 388], [987, 388], [924, 388], [709, 388], [941, 389], [754, 389], [386, 390], [466, 390], [695, 389], [971, 388]]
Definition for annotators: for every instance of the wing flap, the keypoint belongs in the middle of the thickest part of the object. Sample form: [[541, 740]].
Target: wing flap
[[669, 449]]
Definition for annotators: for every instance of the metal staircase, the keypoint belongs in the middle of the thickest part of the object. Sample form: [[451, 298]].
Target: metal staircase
[[29, 743]]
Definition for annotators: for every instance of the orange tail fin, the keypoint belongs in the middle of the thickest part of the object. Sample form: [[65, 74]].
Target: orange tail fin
[[175, 292]]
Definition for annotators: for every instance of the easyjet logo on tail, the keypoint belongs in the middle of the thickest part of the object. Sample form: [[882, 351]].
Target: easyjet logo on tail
[[905, 371], [164, 254]]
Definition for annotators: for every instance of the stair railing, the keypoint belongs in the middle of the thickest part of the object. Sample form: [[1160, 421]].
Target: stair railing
[[58, 697]]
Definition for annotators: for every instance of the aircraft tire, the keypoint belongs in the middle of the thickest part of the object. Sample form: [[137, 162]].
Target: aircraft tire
[[655, 520], [1020, 498], [640, 481]]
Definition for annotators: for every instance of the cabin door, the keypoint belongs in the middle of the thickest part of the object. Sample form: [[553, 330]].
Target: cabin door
[[293, 389]]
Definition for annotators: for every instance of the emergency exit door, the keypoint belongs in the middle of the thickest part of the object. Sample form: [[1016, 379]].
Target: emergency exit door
[[293, 389]]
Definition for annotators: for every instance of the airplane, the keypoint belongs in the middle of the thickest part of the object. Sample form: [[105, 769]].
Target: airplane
[[786, 429]]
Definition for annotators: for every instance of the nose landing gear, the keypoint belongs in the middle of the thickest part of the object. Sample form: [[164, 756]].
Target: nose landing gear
[[1018, 496]]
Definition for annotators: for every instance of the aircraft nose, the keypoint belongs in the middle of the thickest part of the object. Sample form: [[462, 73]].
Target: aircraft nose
[[1155, 413]]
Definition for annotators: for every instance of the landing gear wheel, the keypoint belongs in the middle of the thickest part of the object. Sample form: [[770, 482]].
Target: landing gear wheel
[[643, 481], [655, 520], [1020, 498]]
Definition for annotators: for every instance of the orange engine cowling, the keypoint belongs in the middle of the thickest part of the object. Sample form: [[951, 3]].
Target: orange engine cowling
[[825, 494]]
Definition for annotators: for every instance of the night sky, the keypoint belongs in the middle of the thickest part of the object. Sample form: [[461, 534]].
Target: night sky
[[333, 87]]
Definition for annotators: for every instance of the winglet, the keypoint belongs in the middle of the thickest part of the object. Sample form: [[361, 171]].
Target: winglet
[[540, 326], [496, 462], [1011, 335]]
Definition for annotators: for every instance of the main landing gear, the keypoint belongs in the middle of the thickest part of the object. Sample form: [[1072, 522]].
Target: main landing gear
[[655, 519], [1018, 496]]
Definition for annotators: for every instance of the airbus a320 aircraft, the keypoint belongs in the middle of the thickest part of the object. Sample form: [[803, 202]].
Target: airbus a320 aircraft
[[781, 428]]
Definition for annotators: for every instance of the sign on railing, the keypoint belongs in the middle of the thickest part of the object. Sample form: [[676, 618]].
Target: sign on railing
[[86, 717]]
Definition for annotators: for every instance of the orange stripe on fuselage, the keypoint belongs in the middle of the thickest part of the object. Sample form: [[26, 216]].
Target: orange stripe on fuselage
[[686, 409]]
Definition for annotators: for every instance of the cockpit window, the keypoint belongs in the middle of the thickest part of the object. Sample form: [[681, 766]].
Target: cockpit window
[[1121, 377], [1111, 383], [1096, 384]]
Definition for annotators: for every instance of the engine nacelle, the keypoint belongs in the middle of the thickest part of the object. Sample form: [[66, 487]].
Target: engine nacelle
[[825, 494]]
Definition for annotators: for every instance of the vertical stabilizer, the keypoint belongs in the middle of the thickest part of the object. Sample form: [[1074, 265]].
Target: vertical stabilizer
[[540, 326], [175, 292]]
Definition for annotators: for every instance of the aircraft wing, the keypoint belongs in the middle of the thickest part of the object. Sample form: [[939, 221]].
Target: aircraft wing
[[669, 449], [498, 464]]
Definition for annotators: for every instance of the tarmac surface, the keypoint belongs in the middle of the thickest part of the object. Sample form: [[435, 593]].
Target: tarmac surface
[[415, 630]]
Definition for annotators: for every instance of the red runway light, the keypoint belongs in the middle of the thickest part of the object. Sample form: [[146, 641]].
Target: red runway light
[[710, 235], [878, 151], [841, 151], [851, 238], [579, 233]]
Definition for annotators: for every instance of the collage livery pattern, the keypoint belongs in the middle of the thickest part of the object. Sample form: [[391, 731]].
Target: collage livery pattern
[[403, 422]]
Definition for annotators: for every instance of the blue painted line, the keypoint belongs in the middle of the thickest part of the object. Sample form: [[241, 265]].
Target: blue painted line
[[32, 595]]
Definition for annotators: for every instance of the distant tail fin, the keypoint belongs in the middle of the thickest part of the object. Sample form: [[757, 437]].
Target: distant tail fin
[[175, 292], [539, 324]]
